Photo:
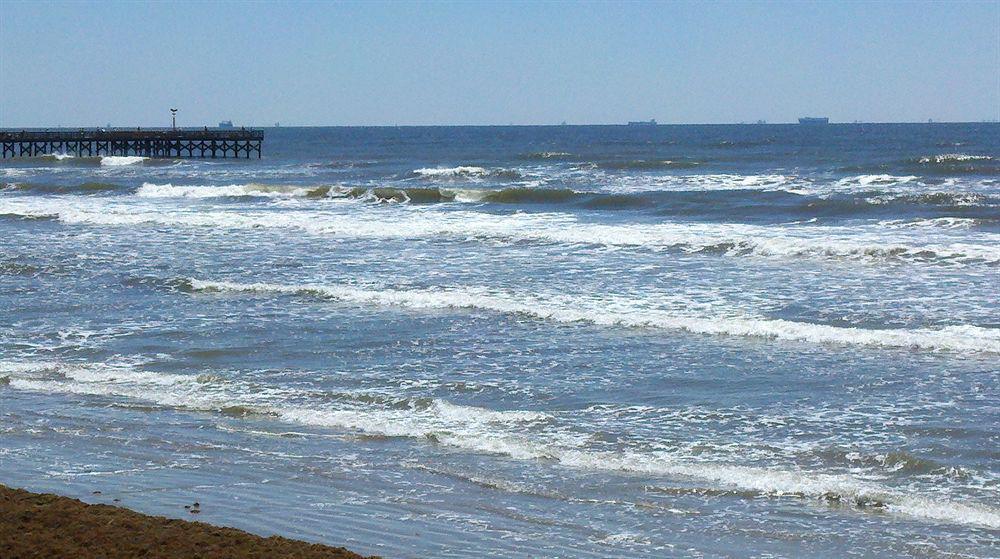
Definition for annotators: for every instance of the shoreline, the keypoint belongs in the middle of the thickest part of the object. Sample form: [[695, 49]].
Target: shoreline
[[46, 525]]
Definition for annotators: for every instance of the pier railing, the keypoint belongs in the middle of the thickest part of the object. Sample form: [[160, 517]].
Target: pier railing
[[148, 142]]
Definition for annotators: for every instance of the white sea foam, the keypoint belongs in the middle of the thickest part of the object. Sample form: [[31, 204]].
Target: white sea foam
[[943, 222], [796, 184], [730, 239], [150, 190], [608, 311], [121, 160], [518, 434], [551, 154], [645, 182], [623, 538], [875, 180], [954, 198], [949, 157], [460, 171]]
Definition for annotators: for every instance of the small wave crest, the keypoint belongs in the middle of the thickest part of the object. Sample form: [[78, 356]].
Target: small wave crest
[[523, 195], [468, 172], [876, 180], [940, 199], [518, 434], [513, 195], [747, 194], [958, 164], [29, 216], [547, 155], [71, 160], [835, 489], [866, 243], [64, 160], [150, 190], [121, 160], [942, 164], [630, 314], [941, 222], [950, 157], [392, 195], [897, 461]]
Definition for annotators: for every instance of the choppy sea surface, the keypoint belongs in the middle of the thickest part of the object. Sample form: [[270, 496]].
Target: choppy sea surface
[[708, 341]]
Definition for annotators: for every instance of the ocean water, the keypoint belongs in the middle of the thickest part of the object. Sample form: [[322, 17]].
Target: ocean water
[[680, 341]]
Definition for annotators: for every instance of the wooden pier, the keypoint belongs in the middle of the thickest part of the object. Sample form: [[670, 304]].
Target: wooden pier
[[152, 142]]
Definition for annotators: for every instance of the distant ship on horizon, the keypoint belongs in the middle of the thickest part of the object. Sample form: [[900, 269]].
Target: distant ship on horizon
[[814, 120], [226, 124], [650, 122]]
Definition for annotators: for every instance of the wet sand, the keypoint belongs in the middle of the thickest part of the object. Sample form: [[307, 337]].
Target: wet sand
[[35, 525]]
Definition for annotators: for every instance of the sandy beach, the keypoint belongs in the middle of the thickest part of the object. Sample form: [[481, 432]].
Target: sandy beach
[[38, 525]]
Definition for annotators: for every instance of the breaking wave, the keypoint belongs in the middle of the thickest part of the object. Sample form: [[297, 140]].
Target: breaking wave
[[941, 199], [29, 217], [935, 165], [623, 313], [520, 195], [875, 181], [71, 160], [727, 239], [948, 157], [121, 160], [745, 198], [958, 164], [468, 172], [515, 195], [64, 160], [942, 222], [150, 190], [518, 434]]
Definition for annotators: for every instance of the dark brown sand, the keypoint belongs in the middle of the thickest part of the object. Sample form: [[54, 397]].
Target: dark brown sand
[[48, 526]]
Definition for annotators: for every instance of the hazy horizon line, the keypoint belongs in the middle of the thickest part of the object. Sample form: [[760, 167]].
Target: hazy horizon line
[[510, 125]]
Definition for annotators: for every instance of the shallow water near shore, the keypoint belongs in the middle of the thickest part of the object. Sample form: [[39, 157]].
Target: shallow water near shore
[[521, 341]]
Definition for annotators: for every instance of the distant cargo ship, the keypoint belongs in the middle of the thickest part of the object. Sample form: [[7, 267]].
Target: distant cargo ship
[[814, 120], [226, 124], [650, 122]]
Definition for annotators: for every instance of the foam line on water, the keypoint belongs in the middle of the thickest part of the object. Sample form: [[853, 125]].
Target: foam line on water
[[870, 242], [151, 190], [121, 160], [517, 434], [462, 170], [610, 311]]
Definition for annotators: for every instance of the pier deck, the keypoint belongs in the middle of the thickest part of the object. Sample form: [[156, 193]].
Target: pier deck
[[152, 142]]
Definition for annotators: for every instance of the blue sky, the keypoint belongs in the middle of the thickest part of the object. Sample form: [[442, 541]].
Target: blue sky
[[321, 63]]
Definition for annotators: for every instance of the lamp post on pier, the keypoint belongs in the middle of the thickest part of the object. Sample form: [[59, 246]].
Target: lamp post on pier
[[173, 117]]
